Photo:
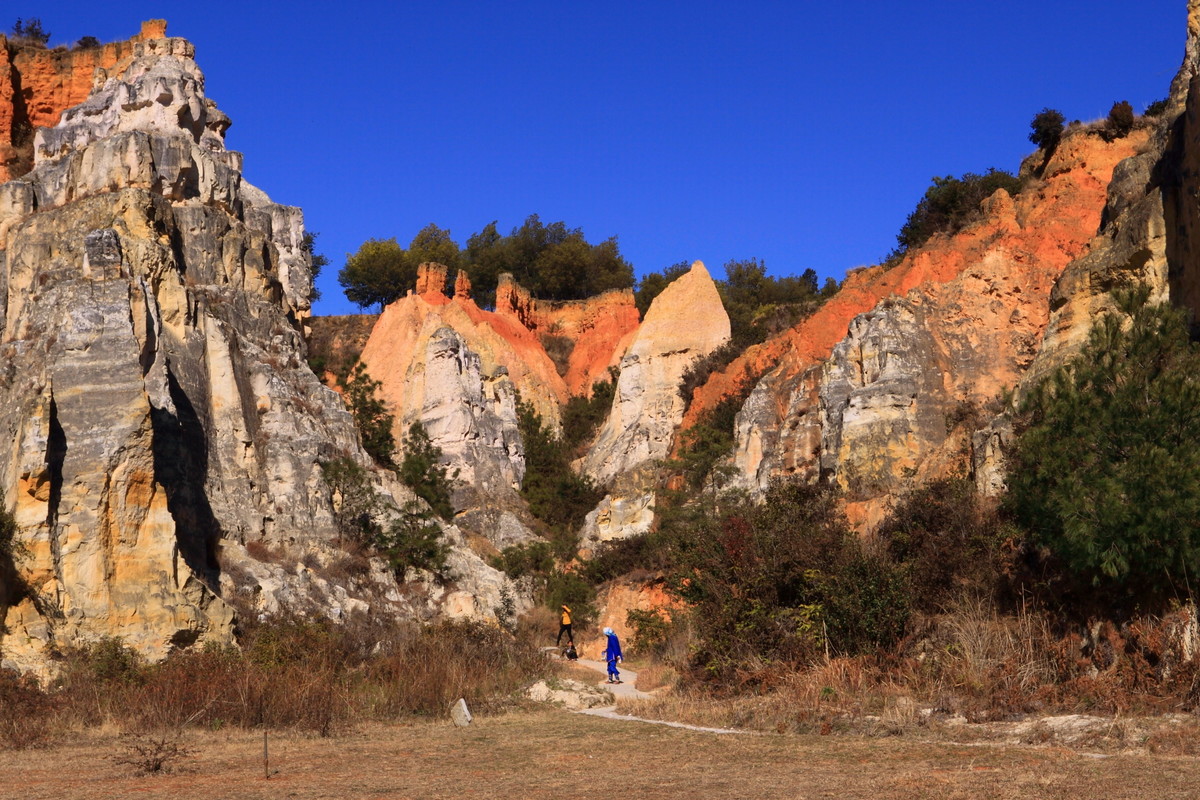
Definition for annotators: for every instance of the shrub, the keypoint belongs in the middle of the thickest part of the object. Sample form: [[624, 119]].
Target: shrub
[[1119, 122], [652, 284], [10, 546], [371, 416], [519, 560], [414, 540], [571, 589], [1105, 473], [950, 204], [555, 493], [25, 711], [1157, 108], [421, 471], [31, 31], [651, 628], [87, 42], [581, 416], [950, 542], [1047, 129], [781, 582], [357, 504]]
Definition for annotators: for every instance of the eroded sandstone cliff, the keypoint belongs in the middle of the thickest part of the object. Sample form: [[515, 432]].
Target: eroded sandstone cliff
[[878, 387], [155, 391]]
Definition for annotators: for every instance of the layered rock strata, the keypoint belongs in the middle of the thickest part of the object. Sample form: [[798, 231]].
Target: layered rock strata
[[162, 417], [1150, 236]]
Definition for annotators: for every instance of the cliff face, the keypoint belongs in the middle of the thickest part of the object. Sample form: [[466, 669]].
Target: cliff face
[[37, 85], [161, 414], [878, 387]]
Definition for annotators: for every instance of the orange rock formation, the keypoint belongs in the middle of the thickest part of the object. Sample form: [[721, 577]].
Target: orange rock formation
[[1044, 228], [600, 327], [37, 85]]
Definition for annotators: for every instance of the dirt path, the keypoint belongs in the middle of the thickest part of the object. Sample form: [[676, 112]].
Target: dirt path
[[627, 690]]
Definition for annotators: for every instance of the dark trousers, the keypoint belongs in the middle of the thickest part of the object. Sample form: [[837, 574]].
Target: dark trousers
[[564, 627]]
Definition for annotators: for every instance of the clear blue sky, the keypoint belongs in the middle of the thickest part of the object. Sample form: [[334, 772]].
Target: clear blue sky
[[800, 133]]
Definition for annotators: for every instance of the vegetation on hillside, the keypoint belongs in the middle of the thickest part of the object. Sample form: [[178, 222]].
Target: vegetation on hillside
[[553, 262], [30, 31], [285, 674], [1105, 473], [950, 204]]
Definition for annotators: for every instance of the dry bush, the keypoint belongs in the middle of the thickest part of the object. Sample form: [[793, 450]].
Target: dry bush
[[152, 754], [656, 676], [26, 712], [428, 671], [559, 349], [297, 674]]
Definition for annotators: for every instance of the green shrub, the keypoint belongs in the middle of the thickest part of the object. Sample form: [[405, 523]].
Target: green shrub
[[371, 416], [1105, 471], [950, 542], [87, 43], [652, 284], [950, 204], [651, 629], [782, 582], [414, 540], [357, 503], [1047, 129], [519, 560], [1157, 108], [421, 470], [555, 493], [1119, 122], [572, 590], [581, 416]]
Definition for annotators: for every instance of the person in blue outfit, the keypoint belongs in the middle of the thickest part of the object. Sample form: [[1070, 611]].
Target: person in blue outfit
[[612, 654]]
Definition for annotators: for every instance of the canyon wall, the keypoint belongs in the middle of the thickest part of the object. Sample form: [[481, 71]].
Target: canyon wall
[[881, 387]]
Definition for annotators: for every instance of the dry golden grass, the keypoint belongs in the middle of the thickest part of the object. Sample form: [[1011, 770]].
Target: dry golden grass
[[552, 754]]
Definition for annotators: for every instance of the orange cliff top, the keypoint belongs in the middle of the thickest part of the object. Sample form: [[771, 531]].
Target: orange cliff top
[[51, 81], [509, 337], [1046, 226]]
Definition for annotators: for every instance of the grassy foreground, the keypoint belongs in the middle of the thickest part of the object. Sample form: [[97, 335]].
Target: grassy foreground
[[555, 754]]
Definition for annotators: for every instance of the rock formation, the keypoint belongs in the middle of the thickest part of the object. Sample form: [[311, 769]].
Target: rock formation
[[162, 417], [37, 85], [871, 389], [684, 323], [598, 329]]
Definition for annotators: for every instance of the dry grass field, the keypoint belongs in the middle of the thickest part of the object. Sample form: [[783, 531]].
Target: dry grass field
[[555, 754]]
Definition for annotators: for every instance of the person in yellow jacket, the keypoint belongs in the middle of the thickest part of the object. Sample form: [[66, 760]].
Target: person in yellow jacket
[[564, 626]]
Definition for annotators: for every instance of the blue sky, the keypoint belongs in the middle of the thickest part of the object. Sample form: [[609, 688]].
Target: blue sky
[[800, 133]]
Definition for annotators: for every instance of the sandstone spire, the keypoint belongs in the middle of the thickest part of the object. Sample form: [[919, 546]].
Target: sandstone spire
[[685, 323]]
